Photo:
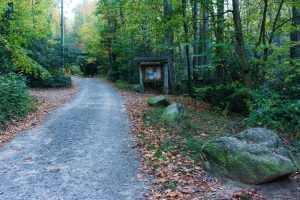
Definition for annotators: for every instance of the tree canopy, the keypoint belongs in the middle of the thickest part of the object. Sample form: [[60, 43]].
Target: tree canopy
[[239, 55]]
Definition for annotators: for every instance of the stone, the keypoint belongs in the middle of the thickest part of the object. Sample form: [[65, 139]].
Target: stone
[[173, 113], [158, 101], [254, 156]]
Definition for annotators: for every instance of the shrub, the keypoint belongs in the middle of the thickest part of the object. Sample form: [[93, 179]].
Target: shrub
[[15, 101], [89, 69], [122, 85], [230, 96], [74, 70], [262, 108], [273, 110], [53, 81]]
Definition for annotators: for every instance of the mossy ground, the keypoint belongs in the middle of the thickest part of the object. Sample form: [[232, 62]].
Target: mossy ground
[[189, 134], [199, 126]]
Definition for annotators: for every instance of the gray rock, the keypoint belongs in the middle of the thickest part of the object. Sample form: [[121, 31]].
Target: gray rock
[[173, 113], [254, 156], [158, 101]]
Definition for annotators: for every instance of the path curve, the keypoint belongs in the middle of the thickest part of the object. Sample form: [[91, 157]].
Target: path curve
[[81, 151]]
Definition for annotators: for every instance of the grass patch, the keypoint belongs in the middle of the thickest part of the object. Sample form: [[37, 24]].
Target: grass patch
[[122, 85], [153, 116], [188, 136]]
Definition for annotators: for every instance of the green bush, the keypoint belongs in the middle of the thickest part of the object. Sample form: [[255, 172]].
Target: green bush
[[122, 85], [272, 110], [231, 96], [54, 81], [15, 101], [74, 70], [262, 107]]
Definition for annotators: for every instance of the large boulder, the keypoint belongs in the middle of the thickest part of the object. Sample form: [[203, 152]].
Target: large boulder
[[254, 156], [173, 113], [158, 101]]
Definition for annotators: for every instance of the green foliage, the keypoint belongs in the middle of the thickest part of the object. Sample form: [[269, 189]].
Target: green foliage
[[153, 116], [232, 96], [6, 64], [28, 45], [27, 65], [202, 92], [191, 133], [271, 110], [54, 81], [15, 101], [122, 85], [111, 33], [74, 70]]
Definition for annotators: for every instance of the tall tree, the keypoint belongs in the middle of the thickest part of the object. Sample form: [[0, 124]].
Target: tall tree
[[187, 46], [205, 37], [220, 65], [196, 32], [240, 43], [168, 11], [295, 34]]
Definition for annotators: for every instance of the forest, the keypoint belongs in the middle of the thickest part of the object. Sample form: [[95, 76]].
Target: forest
[[239, 57]]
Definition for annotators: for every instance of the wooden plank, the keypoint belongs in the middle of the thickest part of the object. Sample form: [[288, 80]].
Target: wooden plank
[[166, 79], [142, 89]]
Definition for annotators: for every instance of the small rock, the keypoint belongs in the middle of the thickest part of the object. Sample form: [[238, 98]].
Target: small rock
[[173, 113], [158, 101]]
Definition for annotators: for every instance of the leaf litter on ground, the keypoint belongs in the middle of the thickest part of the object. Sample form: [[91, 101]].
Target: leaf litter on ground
[[174, 175]]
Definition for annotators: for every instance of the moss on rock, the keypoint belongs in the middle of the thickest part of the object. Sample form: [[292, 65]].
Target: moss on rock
[[158, 101], [253, 163], [173, 113]]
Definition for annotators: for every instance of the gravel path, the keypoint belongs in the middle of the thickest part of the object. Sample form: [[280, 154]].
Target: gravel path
[[81, 151]]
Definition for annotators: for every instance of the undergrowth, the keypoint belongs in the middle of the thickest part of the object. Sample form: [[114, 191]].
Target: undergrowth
[[15, 101], [188, 136], [122, 85]]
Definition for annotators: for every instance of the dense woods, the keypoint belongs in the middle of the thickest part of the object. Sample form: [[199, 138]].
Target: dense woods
[[231, 67], [241, 56], [29, 53]]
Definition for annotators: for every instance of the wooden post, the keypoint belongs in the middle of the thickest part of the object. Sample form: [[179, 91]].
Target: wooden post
[[166, 78], [141, 80], [62, 33]]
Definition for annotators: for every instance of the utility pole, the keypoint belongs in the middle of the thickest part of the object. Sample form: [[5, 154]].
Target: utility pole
[[62, 38]]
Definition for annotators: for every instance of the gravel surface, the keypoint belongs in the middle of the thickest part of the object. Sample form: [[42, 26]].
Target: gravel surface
[[81, 151]]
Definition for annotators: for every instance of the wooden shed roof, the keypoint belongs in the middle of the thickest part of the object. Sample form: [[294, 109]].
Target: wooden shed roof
[[161, 59]]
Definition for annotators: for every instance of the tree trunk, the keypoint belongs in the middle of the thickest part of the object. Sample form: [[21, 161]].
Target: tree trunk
[[220, 66], [272, 34], [295, 35], [168, 10], [240, 43], [205, 36], [112, 54], [187, 48], [122, 17], [196, 32]]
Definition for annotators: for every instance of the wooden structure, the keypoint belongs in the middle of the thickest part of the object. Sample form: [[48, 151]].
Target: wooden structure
[[153, 70]]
